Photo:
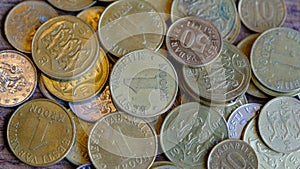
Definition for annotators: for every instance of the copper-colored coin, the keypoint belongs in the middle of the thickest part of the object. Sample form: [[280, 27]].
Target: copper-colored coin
[[40, 132], [65, 47], [23, 20], [72, 5], [18, 78], [194, 41], [92, 15]]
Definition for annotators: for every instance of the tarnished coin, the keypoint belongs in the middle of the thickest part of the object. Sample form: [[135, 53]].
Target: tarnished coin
[[223, 80], [40, 132], [93, 109], [119, 140], [275, 64], [92, 15], [72, 5], [129, 25], [240, 117], [279, 124], [18, 78], [222, 13], [194, 41], [143, 83], [78, 154], [189, 132], [23, 20], [164, 165], [66, 50], [86, 166], [232, 154], [261, 15], [267, 158], [83, 88]]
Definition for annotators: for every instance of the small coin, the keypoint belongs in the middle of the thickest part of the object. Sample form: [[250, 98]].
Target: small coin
[[194, 41], [92, 15], [232, 154], [119, 140], [72, 5], [164, 165], [240, 117], [189, 132], [23, 20], [83, 88], [18, 78], [93, 109], [261, 15], [66, 50], [223, 80], [33, 135], [85, 166], [275, 64], [143, 83], [279, 124], [129, 25]]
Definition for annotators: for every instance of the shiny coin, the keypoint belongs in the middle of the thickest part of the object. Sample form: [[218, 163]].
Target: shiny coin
[[275, 64], [23, 20], [232, 154], [83, 88], [194, 41], [66, 50], [18, 78], [119, 140], [189, 132], [223, 80], [93, 109], [261, 15], [128, 25], [267, 158], [143, 83], [222, 13], [92, 16], [85, 166], [240, 117], [33, 135], [279, 124], [72, 5], [164, 165]]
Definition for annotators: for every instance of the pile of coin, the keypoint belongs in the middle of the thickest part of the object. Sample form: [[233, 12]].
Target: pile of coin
[[132, 80]]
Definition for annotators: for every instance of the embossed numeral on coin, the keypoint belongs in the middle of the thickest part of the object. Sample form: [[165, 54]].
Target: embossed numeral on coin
[[38, 139], [264, 9], [189, 39], [234, 160]]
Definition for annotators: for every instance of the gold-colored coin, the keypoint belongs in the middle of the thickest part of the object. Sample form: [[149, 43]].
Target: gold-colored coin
[[162, 6], [129, 25], [83, 88], [119, 140], [23, 20], [91, 15], [78, 154], [279, 124], [235, 31], [72, 5], [164, 165], [65, 47], [40, 132], [261, 15], [275, 64], [18, 78]]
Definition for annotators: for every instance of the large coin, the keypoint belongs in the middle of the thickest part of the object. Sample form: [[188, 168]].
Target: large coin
[[189, 132], [40, 132], [279, 124], [143, 83], [23, 20], [119, 140], [83, 88], [223, 80], [91, 16], [232, 154], [222, 13], [65, 47], [261, 15], [162, 6], [128, 25], [18, 78], [275, 64], [194, 41], [72, 5]]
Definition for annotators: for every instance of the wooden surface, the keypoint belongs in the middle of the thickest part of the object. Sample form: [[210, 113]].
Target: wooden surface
[[9, 161]]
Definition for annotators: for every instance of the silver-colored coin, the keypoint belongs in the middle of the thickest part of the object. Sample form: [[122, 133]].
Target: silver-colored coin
[[85, 166]]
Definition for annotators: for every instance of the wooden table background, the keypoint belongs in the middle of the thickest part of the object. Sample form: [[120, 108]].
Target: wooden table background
[[9, 161]]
